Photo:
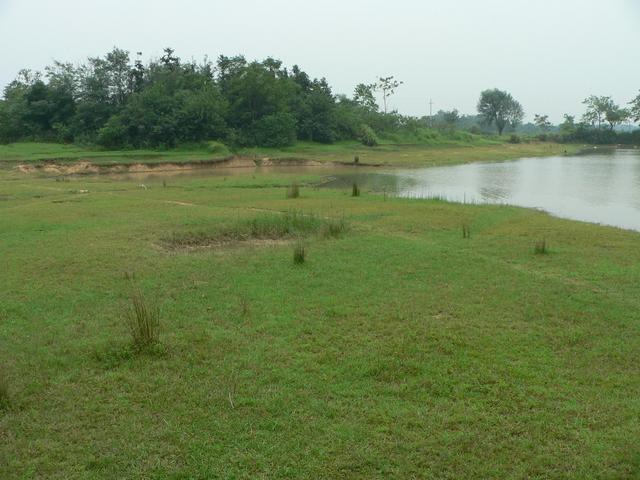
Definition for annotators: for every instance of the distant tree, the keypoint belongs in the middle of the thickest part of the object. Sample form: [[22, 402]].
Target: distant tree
[[615, 115], [597, 108], [387, 85], [364, 96], [450, 118], [515, 114], [635, 109], [568, 126], [542, 122], [500, 108]]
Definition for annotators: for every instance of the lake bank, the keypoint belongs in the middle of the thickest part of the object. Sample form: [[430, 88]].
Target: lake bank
[[40, 157]]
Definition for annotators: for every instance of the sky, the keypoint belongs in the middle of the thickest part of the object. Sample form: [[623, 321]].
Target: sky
[[550, 54]]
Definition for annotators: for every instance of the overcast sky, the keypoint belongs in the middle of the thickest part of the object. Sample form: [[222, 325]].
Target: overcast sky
[[550, 54]]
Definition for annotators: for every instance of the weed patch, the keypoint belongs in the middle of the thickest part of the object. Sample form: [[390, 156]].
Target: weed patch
[[268, 226]]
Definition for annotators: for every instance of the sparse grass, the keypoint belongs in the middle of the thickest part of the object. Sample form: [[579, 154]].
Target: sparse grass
[[293, 191], [395, 352], [299, 253], [541, 247], [143, 320], [355, 190]]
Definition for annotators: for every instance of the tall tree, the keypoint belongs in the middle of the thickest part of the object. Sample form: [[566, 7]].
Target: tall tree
[[364, 96], [387, 85], [500, 108], [542, 122], [597, 108]]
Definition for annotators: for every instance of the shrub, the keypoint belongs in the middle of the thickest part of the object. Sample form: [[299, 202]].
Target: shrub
[[355, 190], [466, 231], [367, 136], [143, 321], [277, 130], [514, 138]]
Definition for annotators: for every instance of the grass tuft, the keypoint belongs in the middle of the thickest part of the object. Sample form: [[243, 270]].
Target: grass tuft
[[143, 320], [466, 231], [355, 190], [299, 254], [541, 247], [293, 191], [4, 390], [334, 227]]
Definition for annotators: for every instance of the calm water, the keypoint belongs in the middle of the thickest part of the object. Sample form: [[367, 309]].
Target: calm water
[[600, 187]]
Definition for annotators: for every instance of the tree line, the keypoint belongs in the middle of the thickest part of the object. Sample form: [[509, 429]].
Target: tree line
[[114, 102], [118, 102]]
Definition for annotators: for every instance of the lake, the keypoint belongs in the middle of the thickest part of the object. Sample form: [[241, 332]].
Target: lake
[[602, 186]]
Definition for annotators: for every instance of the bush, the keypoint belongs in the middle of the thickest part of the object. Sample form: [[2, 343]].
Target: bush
[[514, 138], [355, 190], [277, 130], [367, 136], [113, 134]]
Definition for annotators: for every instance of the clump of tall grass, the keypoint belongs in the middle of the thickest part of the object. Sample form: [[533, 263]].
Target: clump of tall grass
[[266, 226], [293, 191], [4, 390], [334, 227], [466, 231], [541, 247], [143, 319], [299, 253], [355, 190]]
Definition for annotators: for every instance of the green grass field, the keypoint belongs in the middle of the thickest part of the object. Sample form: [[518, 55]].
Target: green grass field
[[442, 153], [398, 349]]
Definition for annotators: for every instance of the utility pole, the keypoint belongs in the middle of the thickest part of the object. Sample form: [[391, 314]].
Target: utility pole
[[431, 113]]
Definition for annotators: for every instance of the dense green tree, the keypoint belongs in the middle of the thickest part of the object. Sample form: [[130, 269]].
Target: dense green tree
[[499, 108]]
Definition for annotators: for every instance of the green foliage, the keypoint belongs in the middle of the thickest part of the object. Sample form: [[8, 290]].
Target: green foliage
[[355, 190], [635, 109], [276, 130], [367, 136], [500, 108], [513, 138]]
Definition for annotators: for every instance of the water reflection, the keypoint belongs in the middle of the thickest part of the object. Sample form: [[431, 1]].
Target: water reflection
[[600, 187]]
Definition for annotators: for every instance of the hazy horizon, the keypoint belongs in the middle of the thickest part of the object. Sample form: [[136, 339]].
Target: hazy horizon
[[550, 56]]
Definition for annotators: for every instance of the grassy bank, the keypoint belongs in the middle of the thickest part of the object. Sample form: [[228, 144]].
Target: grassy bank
[[398, 349], [443, 153]]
